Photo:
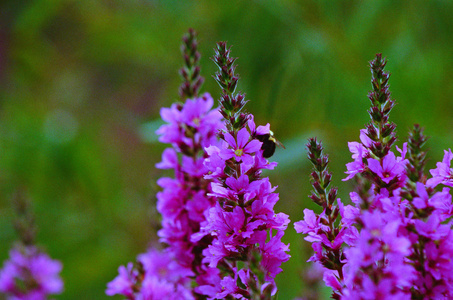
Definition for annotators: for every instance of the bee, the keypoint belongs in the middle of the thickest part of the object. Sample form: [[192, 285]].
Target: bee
[[269, 143]]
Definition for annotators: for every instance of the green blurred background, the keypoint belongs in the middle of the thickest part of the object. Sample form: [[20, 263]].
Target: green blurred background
[[82, 82]]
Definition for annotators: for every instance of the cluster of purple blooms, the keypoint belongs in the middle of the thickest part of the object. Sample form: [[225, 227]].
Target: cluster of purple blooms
[[247, 245], [222, 237], [396, 240], [182, 203], [30, 274], [185, 198], [190, 128], [243, 221]]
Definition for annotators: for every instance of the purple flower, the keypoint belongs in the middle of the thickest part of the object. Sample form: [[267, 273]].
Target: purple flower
[[30, 274], [358, 154], [154, 288], [123, 284], [387, 169], [443, 173], [376, 264], [432, 228], [169, 159], [399, 233], [244, 217], [191, 128], [209, 283], [193, 167], [349, 214], [241, 148], [228, 287], [170, 202], [190, 124], [310, 225], [330, 278], [440, 202], [274, 253], [261, 130], [162, 264], [366, 141], [159, 277], [214, 163]]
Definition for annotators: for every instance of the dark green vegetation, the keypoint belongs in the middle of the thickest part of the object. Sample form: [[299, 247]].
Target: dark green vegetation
[[82, 82]]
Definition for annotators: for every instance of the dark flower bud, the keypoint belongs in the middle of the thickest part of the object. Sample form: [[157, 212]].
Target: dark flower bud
[[242, 119], [336, 211], [316, 199], [388, 129], [196, 72], [183, 73], [324, 221], [315, 176], [327, 177], [332, 195], [371, 132]]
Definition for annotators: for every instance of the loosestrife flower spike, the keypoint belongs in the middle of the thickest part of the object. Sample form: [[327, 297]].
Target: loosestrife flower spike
[[323, 230], [398, 243], [372, 157], [380, 131], [190, 128], [247, 247], [29, 273]]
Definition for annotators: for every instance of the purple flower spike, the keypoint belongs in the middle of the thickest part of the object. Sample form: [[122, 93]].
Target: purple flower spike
[[30, 274], [243, 223], [191, 128], [399, 233]]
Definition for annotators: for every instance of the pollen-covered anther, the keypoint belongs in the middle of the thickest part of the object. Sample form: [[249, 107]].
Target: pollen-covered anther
[[196, 121]]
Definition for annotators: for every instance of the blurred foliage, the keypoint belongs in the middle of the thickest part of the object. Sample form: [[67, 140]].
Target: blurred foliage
[[82, 82]]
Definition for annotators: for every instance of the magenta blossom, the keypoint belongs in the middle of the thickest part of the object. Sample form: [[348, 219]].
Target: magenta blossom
[[123, 284], [359, 152], [387, 169], [241, 147], [30, 274], [196, 117], [443, 173]]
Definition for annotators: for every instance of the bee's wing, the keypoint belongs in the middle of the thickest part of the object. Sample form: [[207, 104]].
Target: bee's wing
[[279, 144]]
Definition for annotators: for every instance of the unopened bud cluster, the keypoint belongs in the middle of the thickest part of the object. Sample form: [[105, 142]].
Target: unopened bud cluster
[[192, 80]]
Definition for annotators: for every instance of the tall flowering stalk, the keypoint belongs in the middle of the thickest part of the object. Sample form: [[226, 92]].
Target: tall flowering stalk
[[401, 245], [331, 228], [377, 264], [190, 128], [395, 218], [247, 247], [29, 273]]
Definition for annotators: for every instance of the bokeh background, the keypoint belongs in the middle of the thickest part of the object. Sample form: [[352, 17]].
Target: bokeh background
[[82, 82]]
